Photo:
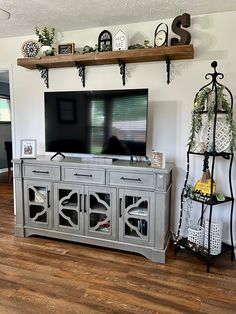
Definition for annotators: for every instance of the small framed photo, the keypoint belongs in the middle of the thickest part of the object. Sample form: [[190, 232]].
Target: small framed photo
[[28, 148], [66, 49], [158, 159]]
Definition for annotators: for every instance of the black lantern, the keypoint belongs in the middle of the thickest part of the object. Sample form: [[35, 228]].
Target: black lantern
[[105, 41]]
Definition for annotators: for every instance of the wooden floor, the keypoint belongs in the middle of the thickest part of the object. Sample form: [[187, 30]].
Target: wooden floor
[[39, 275]]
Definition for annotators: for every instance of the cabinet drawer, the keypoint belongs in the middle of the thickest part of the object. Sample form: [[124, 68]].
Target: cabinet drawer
[[126, 178], [83, 175], [41, 172]]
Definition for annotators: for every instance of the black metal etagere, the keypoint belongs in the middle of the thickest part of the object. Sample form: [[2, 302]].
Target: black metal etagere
[[213, 154]]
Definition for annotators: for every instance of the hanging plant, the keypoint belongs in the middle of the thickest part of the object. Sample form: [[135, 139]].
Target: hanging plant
[[205, 101], [199, 106], [229, 118]]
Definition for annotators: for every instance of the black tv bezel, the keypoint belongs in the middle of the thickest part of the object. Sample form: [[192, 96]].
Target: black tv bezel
[[95, 92]]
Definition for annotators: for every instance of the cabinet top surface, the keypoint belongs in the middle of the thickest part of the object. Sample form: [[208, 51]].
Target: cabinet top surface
[[78, 162]]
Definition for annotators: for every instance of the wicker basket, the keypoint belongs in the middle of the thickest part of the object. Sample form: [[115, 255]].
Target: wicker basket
[[215, 236]]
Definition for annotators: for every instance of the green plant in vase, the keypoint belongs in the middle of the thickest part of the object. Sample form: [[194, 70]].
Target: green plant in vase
[[46, 37]]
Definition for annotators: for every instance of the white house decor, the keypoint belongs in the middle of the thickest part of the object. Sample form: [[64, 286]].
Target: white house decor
[[120, 40]]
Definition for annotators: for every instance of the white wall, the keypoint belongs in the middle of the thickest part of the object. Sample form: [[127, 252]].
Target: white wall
[[169, 105]]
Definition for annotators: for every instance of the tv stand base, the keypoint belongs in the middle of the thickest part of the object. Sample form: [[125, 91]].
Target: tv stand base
[[153, 254]]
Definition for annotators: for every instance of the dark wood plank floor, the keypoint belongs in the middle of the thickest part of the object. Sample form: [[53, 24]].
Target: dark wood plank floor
[[39, 275]]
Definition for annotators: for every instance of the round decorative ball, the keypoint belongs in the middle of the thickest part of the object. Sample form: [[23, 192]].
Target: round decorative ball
[[30, 48]]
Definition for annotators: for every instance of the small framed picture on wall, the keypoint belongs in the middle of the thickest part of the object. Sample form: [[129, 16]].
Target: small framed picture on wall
[[28, 148]]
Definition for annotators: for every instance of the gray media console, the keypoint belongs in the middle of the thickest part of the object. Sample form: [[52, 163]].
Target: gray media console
[[120, 205]]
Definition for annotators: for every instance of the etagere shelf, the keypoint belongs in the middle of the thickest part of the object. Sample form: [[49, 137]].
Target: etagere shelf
[[219, 144], [108, 57]]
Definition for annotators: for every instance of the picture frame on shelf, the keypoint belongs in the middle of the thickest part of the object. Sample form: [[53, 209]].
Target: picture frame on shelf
[[28, 148], [66, 49]]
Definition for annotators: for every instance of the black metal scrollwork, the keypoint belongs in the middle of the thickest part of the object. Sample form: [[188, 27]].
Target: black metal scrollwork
[[44, 74], [81, 69]]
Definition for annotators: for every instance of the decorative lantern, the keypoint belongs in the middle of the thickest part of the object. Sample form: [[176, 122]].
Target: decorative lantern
[[105, 41]]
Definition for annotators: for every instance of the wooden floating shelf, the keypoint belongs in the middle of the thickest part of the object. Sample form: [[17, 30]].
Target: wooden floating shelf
[[110, 57], [43, 64]]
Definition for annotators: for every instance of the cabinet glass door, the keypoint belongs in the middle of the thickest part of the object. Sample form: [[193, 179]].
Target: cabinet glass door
[[100, 212], [68, 216], [135, 216], [37, 204]]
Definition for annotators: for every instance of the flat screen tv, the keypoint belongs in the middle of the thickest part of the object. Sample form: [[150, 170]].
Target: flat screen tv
[[102, 122]]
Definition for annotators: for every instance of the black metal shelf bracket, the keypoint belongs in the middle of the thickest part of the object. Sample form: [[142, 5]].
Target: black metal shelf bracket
[[44, 74], [168, 69], [122, 67], [81, 70]]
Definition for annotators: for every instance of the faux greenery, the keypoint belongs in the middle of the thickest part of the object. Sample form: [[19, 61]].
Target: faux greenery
[[229, 118], [45, 36], [201, 103]]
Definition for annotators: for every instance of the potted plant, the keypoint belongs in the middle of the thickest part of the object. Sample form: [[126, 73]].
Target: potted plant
[[46, 37]]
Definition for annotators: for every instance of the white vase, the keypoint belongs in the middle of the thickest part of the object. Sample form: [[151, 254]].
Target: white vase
[[46, 50]]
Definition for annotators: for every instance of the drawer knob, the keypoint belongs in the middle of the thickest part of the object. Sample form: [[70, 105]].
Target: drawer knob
[[130, 179], [82, 175], [37, 171]]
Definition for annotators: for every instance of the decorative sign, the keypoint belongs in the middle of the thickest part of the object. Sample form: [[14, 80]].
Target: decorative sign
[[120, 40], [65, 49], [204, 188]]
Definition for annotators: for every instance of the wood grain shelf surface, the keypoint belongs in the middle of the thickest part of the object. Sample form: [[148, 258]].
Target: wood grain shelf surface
[[110, 57]]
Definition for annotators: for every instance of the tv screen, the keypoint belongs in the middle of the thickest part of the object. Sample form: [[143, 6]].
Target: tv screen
[[109, 122]]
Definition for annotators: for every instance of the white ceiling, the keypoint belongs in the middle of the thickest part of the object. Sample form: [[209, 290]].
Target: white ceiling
[[67, 15]]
